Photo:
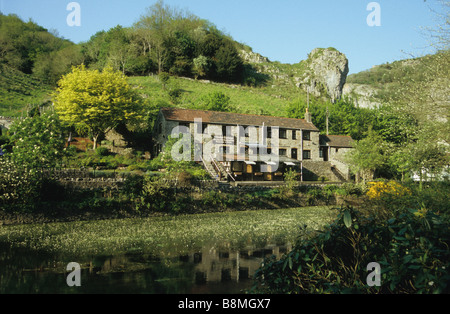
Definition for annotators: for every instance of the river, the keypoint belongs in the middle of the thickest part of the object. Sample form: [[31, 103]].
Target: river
[[206, 271]]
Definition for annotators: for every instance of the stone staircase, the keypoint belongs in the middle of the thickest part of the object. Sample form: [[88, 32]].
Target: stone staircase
[[338, 174], [216, 170]]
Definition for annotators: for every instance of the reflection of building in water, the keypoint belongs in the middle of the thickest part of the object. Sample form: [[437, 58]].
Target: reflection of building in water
[[213, 265]]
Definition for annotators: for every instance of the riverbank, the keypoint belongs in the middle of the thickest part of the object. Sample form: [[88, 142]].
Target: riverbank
[[70, 206], [166, 233]]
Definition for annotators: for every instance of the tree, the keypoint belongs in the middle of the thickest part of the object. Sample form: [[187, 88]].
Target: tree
[[428, 158], [368, 156], [37, 141], [216, 101], [427, 99], [228, 62], [97, 101], [200, 66], [154, 29], [50, 67]]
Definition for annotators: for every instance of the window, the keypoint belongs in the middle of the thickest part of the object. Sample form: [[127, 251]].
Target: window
[[269, 132], [246, 131], [184, 124], [224, 130], [282, 152], [283, 133], [306, 154], [294, 134], [307, 135]]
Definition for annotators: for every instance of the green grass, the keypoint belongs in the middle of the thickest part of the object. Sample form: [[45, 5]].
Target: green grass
[[252, 100], [17, 90], [167, 236]]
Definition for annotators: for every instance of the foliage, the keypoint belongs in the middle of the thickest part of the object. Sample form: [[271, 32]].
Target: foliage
[[116, 48], [96, 100], [215, 101], [174, 236], [102, 151], [30, 48], [37, 141], [344, 117], [19, 186], [291, 180], [382, 189], [17, 90], [411, 246], [369, 155]]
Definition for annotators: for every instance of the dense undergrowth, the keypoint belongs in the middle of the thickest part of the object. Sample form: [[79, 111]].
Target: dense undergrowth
[[406, 234]]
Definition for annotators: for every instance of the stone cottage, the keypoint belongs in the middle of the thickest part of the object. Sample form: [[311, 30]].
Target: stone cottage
[[243, 147]]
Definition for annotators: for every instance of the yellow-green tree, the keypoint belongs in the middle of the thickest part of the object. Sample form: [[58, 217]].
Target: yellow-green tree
[[96, 101]]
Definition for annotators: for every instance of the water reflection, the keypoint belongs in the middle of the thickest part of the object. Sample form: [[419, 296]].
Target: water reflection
[[208, 270]]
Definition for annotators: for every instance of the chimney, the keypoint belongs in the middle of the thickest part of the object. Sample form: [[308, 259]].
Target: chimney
[[308, 116]]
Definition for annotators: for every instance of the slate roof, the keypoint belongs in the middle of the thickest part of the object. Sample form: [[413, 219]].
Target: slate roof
[[227, 118], [336, 141]]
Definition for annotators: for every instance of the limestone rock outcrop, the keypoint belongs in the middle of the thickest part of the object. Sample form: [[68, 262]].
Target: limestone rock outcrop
[[325, 72]]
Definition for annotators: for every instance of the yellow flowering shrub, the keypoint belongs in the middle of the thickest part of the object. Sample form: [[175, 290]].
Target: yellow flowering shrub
[[378, 190]]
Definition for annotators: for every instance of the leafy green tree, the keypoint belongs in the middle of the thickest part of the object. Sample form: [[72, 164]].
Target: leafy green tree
[[97, 101], [200, 67], [344, 118], [216, 101], [154, 28], [428, 158], [26, 45], [369, 155], [37, 141], [229, 65], [53, 65]]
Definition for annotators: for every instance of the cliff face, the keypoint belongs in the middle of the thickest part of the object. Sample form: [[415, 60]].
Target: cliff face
[[325, 72]]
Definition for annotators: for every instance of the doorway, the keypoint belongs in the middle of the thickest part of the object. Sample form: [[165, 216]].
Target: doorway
[[294, 153]]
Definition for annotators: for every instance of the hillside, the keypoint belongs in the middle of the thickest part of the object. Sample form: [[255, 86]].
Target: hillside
[[201, 60], [269, 86], [388, 82], [18, 90]]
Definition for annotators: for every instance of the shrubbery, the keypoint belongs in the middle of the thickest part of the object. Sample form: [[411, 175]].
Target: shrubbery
[[409, 239]]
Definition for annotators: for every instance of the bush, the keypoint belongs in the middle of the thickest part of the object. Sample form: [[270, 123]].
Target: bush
[[102, 151], [411, 248], [133, 185], [378, 190], [19, 187]]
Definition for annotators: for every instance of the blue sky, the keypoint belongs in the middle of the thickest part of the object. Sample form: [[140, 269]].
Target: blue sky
[[282, 30]]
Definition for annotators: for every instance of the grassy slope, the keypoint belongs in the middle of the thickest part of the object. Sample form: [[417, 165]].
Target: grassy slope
[[270, 99], [386, 79], [17, 90]]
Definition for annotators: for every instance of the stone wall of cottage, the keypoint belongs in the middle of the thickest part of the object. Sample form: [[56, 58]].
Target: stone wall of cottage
[[337, 157], [164, 129], [319, 170]]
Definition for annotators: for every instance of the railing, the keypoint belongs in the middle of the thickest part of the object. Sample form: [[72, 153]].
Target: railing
[[222, 170], [216, 166], [211, 173]]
